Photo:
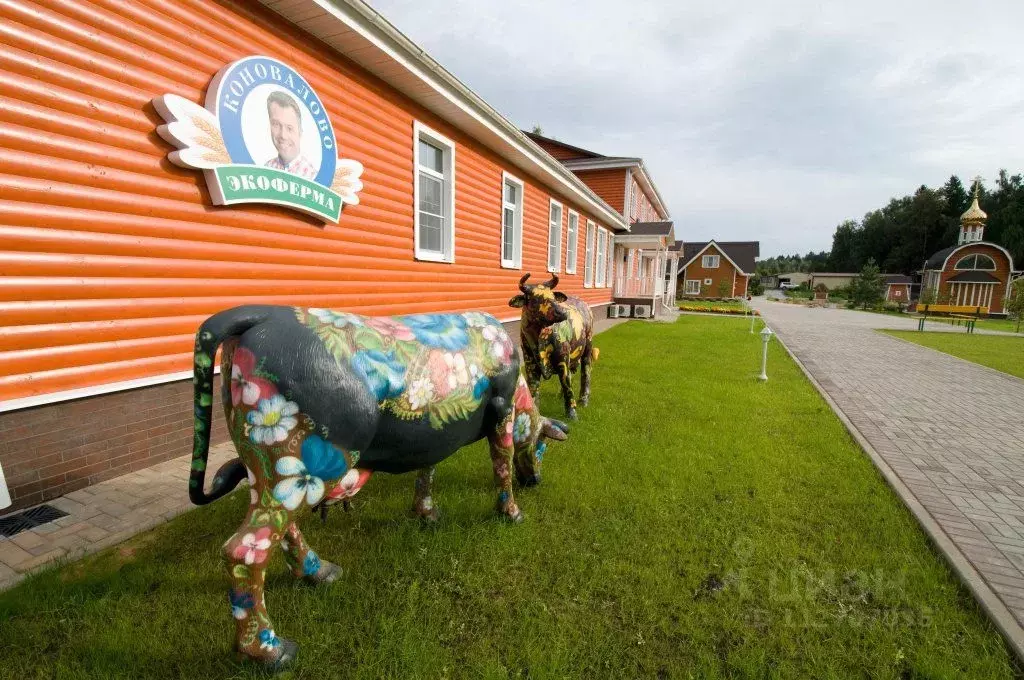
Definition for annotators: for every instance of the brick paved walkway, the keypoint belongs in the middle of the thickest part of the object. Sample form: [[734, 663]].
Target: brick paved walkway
[[112, 511], [951, 431], [103, 515]]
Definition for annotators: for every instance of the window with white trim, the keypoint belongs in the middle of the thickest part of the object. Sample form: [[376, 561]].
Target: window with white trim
[[434, 195], [554, 236], [709, 262], [511, 222], [692, 287], [571, 238], [610, 275], [588, 258], [707, 282], [599, 261]]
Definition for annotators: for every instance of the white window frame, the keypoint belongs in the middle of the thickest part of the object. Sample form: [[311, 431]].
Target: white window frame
[[572, 238], [600, 258], [557, 266], [517, 228], [424, 133], [609, 259], [710, 261], [708, 282], [588, 262], [696, 287]]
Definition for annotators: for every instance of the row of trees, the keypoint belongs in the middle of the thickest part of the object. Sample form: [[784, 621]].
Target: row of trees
[[903, 234], [784, 264]]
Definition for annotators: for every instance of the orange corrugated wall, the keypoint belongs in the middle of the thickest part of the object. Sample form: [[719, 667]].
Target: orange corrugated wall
[[608, 184], [111, 256]]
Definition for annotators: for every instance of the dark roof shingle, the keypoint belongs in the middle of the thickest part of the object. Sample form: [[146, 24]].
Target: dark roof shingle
[[650, 228], [743, 253]]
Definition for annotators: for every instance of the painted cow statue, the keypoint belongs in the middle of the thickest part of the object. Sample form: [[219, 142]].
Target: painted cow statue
[[318, 400], [557, 334]]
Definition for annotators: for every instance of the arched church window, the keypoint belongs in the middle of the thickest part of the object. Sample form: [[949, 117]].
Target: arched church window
[[976, 261]]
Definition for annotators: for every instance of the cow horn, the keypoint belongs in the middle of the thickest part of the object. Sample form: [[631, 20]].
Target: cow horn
[[552, 282], [522, 283]]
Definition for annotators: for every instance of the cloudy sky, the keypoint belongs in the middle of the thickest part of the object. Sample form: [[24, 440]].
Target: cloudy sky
[[757, 119]]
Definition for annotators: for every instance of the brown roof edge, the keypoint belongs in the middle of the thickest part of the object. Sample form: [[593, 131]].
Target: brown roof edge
[[541, 138]]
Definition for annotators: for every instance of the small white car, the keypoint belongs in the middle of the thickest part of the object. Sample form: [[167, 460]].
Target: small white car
[[786, 285]]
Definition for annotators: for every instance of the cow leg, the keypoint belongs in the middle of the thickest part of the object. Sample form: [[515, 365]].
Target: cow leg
[[422, 503], [247, 554], [585, 375], [565, 377], [303, 562], [502, 452], [533, 377]]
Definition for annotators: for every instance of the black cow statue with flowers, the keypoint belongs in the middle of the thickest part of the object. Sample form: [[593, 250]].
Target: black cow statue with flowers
[[557, 337], [317, 400]]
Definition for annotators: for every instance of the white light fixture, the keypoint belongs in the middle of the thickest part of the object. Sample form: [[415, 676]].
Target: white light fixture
[[766, 335]]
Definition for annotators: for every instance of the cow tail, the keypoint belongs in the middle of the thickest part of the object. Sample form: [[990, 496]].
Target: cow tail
[[594, 354], [210, 335]]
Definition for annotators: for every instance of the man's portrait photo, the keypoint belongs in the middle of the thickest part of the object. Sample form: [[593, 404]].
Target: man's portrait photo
[[286, 133]]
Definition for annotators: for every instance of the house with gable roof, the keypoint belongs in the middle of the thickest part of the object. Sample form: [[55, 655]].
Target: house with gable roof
[[716, 268]]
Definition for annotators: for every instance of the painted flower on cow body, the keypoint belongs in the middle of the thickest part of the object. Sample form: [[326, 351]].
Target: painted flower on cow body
[[298, 484], [253, 547], [478, 320], [522, 428], [420, 393], [445, 331], [386, 325], [382, 372], [336, 319], [311, 564], [268, 640], [241, 603], [272, 420], [323, 459], [247, 388]]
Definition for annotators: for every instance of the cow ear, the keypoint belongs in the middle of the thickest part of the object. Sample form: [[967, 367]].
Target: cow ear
[[517, 301], [560, 296]]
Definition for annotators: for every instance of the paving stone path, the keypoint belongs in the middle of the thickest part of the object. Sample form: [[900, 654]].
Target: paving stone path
[[951, 430]]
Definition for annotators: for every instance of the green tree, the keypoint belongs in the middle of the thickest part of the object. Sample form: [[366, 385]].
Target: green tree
[[1015, 303], [867, 287]]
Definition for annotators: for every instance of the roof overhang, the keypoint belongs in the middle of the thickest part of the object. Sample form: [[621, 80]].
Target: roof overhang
[[635, 164], [721, 251], [642, 241], [353, 29]]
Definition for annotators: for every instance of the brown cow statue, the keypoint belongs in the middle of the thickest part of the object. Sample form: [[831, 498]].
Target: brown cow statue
[[318, 400], [556, 333]]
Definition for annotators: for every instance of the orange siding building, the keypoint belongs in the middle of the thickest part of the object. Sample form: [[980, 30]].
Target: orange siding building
[[112, 255]]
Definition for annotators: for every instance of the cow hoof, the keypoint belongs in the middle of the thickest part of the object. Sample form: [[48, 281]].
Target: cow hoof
[[584, 401], [329, 573], [514, 515], [572, 414], [289, 650], [531, 480]]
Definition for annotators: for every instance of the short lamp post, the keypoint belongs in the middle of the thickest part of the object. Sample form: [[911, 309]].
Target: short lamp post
[[766, 335], [753, 318]]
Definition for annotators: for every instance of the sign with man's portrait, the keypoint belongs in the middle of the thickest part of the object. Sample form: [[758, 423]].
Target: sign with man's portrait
[[264, 136]]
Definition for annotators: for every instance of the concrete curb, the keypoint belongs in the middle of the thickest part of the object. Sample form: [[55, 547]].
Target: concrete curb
[[1003, 618]]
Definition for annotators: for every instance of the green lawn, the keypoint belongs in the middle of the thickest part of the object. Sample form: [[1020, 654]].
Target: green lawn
[[1001, 352], [698, 523]]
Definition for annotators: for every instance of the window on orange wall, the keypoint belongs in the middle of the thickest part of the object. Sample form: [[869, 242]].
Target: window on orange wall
[[588, 256], [434, 195], [571, 237], [554, 236], [599, 261], [511, 222]]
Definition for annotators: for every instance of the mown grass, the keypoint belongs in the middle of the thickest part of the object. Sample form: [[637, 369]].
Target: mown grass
[[698, 523], [1001, 352]]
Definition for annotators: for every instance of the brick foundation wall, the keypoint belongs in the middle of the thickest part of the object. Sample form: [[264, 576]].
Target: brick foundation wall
[[51, 450]]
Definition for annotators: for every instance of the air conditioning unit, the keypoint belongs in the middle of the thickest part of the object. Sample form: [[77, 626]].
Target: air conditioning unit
[[642, 312], [625, 310], [613, 311]]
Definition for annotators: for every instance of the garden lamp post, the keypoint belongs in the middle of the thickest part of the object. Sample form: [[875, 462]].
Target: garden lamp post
[[766, 335], [753, 317]]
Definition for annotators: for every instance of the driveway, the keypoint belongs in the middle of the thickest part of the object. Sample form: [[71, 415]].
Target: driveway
[[952, 433]]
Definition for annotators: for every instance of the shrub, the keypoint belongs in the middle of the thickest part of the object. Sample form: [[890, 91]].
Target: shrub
[[724, 288]]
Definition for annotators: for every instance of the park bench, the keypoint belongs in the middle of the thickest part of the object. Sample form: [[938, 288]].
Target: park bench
[[958, 314]]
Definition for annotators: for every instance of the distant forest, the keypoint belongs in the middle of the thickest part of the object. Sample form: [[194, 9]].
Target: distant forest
[[904, 233]]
